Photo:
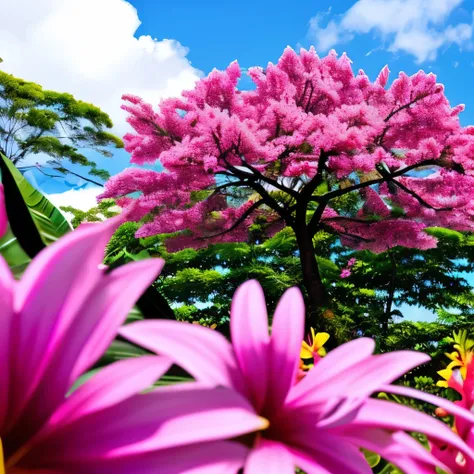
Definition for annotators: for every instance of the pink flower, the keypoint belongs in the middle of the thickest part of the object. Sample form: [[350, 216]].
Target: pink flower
[[56, 322], [346, 273], [319, 423], [3, 212], [382, 78]]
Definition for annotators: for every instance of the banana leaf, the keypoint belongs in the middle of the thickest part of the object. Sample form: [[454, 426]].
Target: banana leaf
[[34, 222], [17, 259]]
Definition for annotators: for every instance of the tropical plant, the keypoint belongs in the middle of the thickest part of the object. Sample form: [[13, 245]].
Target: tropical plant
[[33, 221]]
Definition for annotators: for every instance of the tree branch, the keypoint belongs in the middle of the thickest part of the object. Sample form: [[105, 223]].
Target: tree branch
[[269, 201], [379, 139], [270, 181], [310, 187], [340, 192], [390, 298], [412, 193], [239, 221]]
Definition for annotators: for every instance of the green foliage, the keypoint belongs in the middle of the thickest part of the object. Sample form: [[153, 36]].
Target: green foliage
[[104, 210], [34, 120], [33, 221], [199, 284]]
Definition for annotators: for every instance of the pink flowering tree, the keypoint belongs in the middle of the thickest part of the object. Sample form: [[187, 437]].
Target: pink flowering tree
[[313, 147]]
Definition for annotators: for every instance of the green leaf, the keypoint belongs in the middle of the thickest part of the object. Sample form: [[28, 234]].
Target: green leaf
[[83, 379], [119, 350], [372, 458], [10, 249], [143, 255], [26, 206], [33, 221]]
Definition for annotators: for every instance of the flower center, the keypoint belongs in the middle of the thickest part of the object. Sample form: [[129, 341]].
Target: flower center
[[249, 439]]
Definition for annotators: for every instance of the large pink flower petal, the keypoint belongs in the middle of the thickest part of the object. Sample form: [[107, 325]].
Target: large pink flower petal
[[87, 337], [365, 377], [269, 457], [111, 385], [154, 421], [338, 362], [202, 352], [327, 454], [3, 212], [6, 315], [397, 448], [219, 457], [53, 287], [309, 465], [450, 407], [250, 338], [382, 414], [285, 345], [108, 308]]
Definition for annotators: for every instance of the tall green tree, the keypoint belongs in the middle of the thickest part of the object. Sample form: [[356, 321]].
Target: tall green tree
[[34, 120], [199, 284]]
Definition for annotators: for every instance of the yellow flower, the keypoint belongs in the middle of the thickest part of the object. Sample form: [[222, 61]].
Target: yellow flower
[[2, 465], [315, 347], [461, 358]]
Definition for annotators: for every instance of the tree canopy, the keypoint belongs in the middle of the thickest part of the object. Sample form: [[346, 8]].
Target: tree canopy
[[34, 120], [367, 290], [314, 148]]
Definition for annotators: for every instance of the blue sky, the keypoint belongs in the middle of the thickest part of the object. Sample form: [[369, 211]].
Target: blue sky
[[255, 33], [156, 48]]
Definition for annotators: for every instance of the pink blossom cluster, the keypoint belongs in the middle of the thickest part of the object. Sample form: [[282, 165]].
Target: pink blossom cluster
[[310, 120], [347, 272]]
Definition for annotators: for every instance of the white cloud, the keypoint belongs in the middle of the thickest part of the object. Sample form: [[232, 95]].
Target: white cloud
[[416, 27], [326, 37], [83, 199], [88, 48]]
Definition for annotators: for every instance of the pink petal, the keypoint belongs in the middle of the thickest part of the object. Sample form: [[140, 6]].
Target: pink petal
[[6, 310], [250, 338], [3, 212], [450, 407], [323, 453], [365, 377], [382, 78], [338, 362], [285, 344], [89, 334], [111, 302], [53, 287], [269, 457], [382, 414], [207, 458], [306, 463], [397, 448], [369, 375], [154, 421], [111, 385], [202, 352]]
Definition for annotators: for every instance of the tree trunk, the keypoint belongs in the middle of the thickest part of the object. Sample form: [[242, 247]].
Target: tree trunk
[[316, 293], [388, 307]]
